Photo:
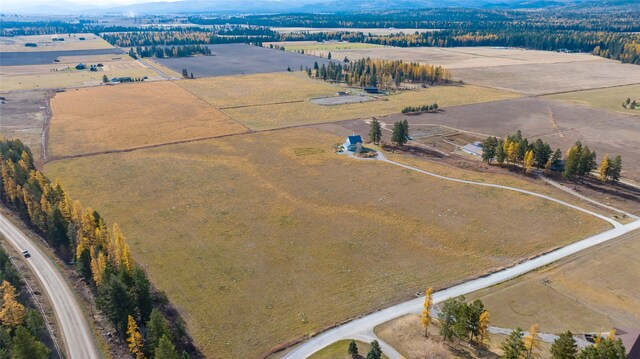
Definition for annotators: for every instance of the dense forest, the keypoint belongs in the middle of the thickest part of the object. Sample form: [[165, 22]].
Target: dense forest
[[191, 36], [100, 253], [383, 74], [166, 51]]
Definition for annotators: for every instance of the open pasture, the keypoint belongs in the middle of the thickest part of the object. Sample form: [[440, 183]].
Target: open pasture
[[267, 101], [588, 292], [236, 59], [557, 122], [22, 116], [317, 48], [119, 117], [540, 79], [45, 43], [272, 235], [459, 57], [607, 98], [64, 74]]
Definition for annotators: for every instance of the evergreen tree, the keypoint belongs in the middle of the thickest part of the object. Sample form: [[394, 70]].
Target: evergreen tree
[[501, 154], [375, 352], [165, 349], [398, 134], [375, 132], [405, 128], [572, 162], [34, 323], [25, 346], [353, 349], [489, 147], [476, 308], [616, 168], [329, 55], [564, 347], [157, 328], [142, 289], [117, 302], [606, 349], [185, 73], [513, 346], [105, 79]]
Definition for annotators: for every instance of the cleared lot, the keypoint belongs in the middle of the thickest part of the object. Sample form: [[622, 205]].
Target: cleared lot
[[558, 122], [236, 59], [592, 291], [245, 232], [107, 118], [608, 99], [22, 116]]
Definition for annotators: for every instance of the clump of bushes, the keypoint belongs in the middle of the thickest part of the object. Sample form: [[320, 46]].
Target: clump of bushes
[[420, 109]]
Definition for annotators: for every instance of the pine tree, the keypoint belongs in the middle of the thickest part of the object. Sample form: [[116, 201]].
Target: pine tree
[[489, 147], [165, 349], [134, 339], [405, 128], [616, 168], [604, 172], [157, 327], [513, 346], [501, 154], [564, 347], [375, 352], [426, 312], [12, 313], [398, 134], [185, 73], [105, 79], [353, 349], [572, 162], [375, 132], [25, 346], [532, 342]]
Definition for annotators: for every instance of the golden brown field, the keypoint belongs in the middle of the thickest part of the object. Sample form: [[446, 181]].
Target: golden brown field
[[272, 235], [123, 116], [255, 100], [591, 291], [45, 43]]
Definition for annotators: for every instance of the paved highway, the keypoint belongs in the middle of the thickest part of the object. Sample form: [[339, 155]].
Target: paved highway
[[77, 336]]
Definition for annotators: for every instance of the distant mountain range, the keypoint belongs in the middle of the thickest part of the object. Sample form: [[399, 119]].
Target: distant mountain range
[[280, 6]]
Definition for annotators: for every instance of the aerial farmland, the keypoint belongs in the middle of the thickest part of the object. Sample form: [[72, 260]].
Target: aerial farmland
[[264, 234]]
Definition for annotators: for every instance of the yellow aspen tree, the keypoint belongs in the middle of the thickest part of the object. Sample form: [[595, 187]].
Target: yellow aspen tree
[[117, 246], [483, 326], [528, 161], [134, 339], [425, 320], [127, 259], [605, 166], [12, 313], [532, 342], [98, 265]]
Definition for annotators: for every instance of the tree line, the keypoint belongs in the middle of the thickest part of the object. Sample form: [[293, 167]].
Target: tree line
[[165, 51], [579, 160], [100, 253], [21, 328], [191, 36], [463, 321], [383, 74]]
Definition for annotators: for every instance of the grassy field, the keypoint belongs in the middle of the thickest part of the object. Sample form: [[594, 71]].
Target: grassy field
[[256, 100], [311, 47], [592, 291], [608, 99], [45, 43], [339, 350], [63, 74], [165, 70], [22, 116], [271, 235], [131, 115]]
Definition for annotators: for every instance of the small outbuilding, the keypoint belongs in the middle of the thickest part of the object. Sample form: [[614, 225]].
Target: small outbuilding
[[473, 148], [352, 142], [371, 89]]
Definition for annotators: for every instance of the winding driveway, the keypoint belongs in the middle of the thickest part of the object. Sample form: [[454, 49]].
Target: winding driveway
[[77, 335], [362, 328]]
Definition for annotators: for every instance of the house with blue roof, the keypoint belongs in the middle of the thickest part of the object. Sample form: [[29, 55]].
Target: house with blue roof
[[352, 142]]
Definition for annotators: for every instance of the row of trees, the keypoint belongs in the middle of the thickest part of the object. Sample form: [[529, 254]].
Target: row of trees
[[79, 235], [399, 135], [383, 74], [579, 161], [191, 36], [418, 109], [21, 328], [518, 345], [165, 51], [374, 352]]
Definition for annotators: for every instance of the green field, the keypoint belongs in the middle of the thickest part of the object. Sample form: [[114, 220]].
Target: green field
[[608, 98], [271, 235]]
